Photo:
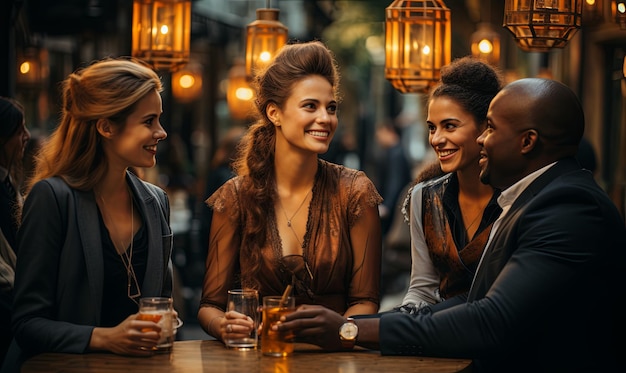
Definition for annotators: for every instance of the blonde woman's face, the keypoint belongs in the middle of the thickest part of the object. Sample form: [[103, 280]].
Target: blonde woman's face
[[308, 120], [452, 133], [136, 144]]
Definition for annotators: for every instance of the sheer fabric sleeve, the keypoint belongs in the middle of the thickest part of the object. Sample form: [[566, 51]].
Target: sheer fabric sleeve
[[366, 241], [224, 241], [424, 284]]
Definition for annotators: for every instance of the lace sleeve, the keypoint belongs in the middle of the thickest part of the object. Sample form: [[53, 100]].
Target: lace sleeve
[[224, 242], [363, 194]]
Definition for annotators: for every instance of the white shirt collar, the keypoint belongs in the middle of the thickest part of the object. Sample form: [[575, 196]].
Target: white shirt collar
[[509, 195]]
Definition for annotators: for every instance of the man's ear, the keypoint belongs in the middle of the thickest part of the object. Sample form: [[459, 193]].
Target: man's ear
[[529, 140], [105, 129]]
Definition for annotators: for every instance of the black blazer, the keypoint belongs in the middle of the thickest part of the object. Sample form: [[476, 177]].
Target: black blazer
[[545, 296], [59, 274]]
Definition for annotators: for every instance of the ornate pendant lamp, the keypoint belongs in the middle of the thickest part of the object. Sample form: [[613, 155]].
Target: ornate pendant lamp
[[263, 38], [417, 43], [540, 25], [161, 32], [618, 9]]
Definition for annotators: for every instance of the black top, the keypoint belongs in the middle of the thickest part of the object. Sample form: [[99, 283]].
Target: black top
[[116, 305]]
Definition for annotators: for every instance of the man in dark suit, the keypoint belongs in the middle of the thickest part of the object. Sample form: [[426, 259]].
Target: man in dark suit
[[546, 293]]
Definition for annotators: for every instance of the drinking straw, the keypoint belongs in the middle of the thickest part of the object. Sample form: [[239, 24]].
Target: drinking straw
[[286, 293]]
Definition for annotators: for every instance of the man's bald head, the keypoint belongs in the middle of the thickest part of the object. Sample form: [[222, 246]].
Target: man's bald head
[[553, 110]]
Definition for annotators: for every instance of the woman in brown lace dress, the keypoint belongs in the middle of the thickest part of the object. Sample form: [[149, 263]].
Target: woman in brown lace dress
[[451, 214], [289, 217]]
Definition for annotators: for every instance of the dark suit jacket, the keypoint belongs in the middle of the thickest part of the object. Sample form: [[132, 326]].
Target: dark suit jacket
[[59, 275], [545, 296]]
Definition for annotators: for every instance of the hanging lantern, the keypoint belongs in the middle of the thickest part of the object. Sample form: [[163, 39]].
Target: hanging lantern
[[618, 9], [540, 25], [486, 44], [187, 83], [592, 12], [239, 95], [417, 43], [161, 32], [263, 39]]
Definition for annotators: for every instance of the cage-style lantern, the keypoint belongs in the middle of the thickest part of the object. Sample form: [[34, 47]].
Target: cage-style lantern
[[32, 67], [540, 25], [187, 83], [592, 12], [239, 94], [618, 10], [417, 43], [485, 44], [264, 37], [161, 32]]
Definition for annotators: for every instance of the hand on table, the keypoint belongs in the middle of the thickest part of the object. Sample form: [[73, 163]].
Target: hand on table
[[314, 324], [235, 325], [131, 337]]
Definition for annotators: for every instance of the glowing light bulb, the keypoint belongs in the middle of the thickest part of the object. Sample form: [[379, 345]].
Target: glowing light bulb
[[485, 46], [25, 67], [244, 94], [186, 81]]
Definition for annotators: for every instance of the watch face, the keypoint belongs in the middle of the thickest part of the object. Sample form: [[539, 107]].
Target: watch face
[[349, 331]]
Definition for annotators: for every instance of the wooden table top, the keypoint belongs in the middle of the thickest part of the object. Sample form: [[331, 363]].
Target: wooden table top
[[212, 356]]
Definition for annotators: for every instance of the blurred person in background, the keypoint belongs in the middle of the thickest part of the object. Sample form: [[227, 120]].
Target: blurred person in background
[[13, 139]]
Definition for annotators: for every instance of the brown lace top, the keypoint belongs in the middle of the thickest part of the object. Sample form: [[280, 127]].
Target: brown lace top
[[340, 265]]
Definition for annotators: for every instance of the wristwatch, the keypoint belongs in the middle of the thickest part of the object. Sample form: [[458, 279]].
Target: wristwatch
[[348, 333]]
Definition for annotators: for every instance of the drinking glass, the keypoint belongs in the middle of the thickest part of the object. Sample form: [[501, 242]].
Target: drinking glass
[[276, 343], [245, 302], [161, 311]]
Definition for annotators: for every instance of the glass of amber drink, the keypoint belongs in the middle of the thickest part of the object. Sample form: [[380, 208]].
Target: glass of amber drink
[[159, 310], [275, 343]]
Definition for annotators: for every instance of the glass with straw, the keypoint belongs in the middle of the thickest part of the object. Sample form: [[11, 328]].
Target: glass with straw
[[273, 342]]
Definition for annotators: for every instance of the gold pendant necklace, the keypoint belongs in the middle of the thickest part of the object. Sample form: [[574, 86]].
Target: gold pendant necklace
[[294, 215], [298, 209], [126, 256]]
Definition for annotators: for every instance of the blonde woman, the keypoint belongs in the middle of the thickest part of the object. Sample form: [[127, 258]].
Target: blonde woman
[[94, 237]]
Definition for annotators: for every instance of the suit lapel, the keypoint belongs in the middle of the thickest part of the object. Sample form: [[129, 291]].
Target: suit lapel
[[89, 231], [494, 259], [147, 203]]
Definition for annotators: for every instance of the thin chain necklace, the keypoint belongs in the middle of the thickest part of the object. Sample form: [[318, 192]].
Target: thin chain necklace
[[127, 255], [294, 215], [480, 214], [298, 209]]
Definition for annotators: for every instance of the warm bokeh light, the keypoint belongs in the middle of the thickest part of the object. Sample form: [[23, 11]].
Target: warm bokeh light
[[243, 93], [186, 81], [485, 46], [25, 68]]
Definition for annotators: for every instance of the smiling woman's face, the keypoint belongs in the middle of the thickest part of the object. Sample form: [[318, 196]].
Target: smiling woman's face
[[452, 133]]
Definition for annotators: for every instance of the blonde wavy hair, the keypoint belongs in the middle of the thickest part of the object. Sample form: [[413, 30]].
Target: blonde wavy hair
[[106, 89]]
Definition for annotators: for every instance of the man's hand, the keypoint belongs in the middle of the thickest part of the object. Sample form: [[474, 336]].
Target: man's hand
[[314, 324]]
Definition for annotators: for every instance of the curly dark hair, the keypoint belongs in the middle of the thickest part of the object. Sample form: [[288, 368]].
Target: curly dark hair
[[471, 83]]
